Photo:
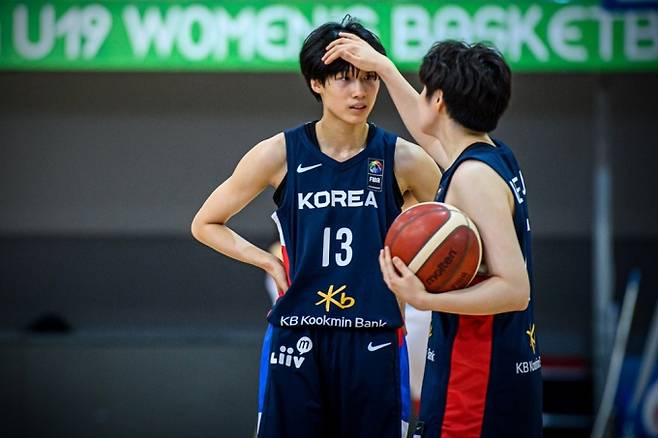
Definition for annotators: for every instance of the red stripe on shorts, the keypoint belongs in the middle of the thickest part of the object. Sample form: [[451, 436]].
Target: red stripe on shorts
[[469, 377]]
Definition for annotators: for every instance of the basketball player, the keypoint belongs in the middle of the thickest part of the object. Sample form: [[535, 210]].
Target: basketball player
[[482, 375], [334, 361]]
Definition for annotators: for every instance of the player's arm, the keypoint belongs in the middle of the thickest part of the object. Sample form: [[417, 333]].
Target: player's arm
[[263, 165], [408, 201], [415, 171], [490, 206], [361, 55], [418, 179]]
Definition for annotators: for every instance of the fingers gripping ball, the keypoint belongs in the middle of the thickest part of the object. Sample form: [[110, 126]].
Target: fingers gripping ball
[[439, 243]]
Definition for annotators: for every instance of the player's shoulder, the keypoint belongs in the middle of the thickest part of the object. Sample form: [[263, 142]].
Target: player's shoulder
[[474, 171], [476, 187], [267, 158], [273, 143], [478, 181], [407, 153], [409, 157], [272, 149], [405, 145], [482, 162]]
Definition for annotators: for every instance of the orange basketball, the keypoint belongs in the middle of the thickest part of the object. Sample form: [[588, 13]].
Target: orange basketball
[[439, 243]]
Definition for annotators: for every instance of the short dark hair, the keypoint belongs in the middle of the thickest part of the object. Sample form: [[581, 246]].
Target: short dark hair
[[314, 47], [475, 81]]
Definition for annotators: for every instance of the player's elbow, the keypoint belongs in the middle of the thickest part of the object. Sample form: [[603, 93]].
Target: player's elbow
[[203, 227], [522, 304], [197, 227], [522, 295]]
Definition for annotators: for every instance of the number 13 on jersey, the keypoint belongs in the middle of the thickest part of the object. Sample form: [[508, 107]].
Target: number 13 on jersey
[[343, 256]]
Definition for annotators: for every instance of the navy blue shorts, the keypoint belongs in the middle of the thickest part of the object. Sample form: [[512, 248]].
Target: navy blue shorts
[[328, 382], [480, 383]]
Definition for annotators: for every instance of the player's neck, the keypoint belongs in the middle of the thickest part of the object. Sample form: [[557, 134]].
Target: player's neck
[[455, 139], [340, 140]]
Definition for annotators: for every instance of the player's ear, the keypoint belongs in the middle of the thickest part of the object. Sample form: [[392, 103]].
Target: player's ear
[[317, 86], [439, 103]]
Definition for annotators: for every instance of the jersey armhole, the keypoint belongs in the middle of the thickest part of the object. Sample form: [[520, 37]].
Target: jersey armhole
[[397, 193], [279, 193], [398, 196]]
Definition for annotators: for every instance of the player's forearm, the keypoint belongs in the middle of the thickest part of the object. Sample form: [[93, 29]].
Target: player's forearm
[[492, 296], [405, 98], [226, 241]]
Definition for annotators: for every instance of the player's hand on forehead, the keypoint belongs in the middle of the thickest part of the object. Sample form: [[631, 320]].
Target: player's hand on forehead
[[343, 37], [337, 48], [354, 50]]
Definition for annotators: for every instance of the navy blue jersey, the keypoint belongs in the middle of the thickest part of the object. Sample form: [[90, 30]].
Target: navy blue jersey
[[482, 375], [332, 219]]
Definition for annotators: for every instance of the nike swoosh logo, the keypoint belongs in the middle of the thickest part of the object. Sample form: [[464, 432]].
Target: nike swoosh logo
[[377, 347], [301, 169]]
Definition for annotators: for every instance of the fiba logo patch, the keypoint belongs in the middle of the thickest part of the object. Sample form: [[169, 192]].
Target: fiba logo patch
[[375, 167], [287, 356], [375, 174]]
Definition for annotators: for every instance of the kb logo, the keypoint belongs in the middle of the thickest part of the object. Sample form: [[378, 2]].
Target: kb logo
[[328, 298]]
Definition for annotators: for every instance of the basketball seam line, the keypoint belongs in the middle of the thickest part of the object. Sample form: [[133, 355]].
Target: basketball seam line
[[411, 223], [463, 258], [440, 235]]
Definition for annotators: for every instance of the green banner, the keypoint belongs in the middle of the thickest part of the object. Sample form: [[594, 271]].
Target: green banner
[[240, 35]]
